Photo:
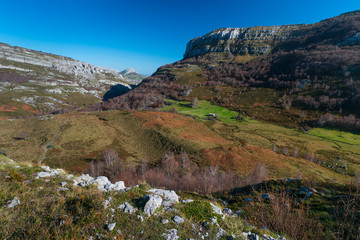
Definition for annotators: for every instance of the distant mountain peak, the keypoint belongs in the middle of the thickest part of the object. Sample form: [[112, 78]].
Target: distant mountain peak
[[128, 71]]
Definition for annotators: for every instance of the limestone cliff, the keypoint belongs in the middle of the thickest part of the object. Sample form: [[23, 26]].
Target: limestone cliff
[[252, 40]]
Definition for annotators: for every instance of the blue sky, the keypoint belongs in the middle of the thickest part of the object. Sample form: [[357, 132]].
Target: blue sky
[[143, 34]]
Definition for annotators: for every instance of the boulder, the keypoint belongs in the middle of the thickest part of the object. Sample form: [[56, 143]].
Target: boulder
[[164, 221], [153, 202], [170, 197]]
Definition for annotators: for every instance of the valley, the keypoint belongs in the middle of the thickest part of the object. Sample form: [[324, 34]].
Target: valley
[[256, 130]]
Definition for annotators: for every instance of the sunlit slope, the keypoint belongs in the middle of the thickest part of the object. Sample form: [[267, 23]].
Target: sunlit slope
[[71, 141]]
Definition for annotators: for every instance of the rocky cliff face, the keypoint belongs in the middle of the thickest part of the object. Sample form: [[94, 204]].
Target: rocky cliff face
[[48, 81], [253, 40]]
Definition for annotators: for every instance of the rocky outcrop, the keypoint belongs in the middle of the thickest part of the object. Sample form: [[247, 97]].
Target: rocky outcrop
[[253, 40], [102, 182]]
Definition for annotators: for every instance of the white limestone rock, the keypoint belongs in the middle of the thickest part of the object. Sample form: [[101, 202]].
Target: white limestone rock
[[170, 197], [216, 209], [13, 202], [110, 226], [178, 220], [153, 202], [102, 183], [127, 208], [171, 234]]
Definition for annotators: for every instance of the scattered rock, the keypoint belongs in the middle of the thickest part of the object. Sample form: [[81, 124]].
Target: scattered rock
[[220, 233], [171, 234], [127, 208], [110, 226], [227, 211], [106, 203], [253, 236], [187, 201], [164, 221], [13, 202], [49, 172], [216, 209], [63, 189], [63, 184], [140, 218], [153, 203], [178, 220]]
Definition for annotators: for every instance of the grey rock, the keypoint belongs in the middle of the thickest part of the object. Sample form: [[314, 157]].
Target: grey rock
[[127, 208], [178, 220], [220, 233], [171, 234], [253, 236], [170, 197], [110, 226], [140, 218], [187, 201], [216, 209], [153, 203], [227, 211], [164, 221], [13, 202], [102, 183]]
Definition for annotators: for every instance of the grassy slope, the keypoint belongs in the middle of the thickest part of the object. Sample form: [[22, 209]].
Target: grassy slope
[[46, 212], [333, 147], [75, 139]]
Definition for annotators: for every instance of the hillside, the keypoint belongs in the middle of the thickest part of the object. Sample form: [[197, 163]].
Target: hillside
[[289, 75], [76, 140], [33, 81]]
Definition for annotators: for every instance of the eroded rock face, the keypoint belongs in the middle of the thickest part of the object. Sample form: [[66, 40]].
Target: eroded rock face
[[252, 40]]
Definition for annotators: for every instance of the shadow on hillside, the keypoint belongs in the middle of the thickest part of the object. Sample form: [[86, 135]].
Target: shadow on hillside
[[116, 91]]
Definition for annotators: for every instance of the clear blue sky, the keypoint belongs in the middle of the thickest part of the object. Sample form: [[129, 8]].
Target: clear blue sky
[[143, 34]]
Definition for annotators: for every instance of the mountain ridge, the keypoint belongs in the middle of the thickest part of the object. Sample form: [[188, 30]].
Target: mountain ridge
[[45, 81]]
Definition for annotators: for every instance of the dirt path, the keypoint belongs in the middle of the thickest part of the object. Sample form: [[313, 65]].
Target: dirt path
[[45, 147]]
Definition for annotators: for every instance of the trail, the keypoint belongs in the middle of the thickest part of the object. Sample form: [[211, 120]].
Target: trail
[[45, 147]]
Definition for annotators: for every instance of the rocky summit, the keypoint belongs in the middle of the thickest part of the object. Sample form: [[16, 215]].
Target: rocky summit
[[252, 40]]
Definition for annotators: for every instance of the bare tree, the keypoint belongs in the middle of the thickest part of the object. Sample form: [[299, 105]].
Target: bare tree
[[259, 173]]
